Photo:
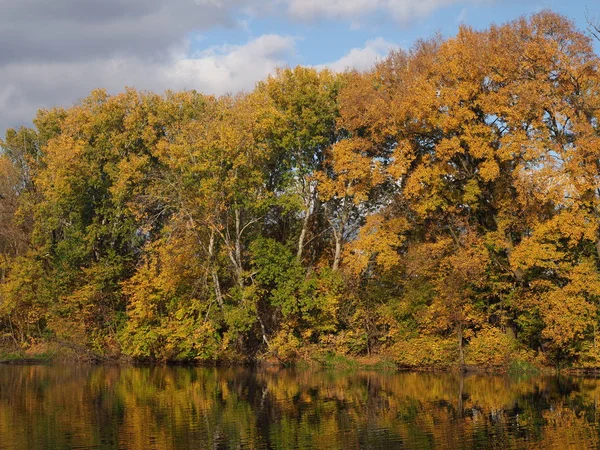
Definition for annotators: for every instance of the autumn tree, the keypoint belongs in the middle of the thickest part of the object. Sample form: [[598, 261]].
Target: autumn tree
[[301, 128], [441, 206]]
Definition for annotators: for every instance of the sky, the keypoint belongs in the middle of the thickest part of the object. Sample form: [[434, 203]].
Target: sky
[[54, 52]]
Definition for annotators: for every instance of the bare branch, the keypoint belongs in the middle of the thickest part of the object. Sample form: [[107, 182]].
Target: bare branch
[[593, 22]]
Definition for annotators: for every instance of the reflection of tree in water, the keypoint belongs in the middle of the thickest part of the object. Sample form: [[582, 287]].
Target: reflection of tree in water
[[173, 408]]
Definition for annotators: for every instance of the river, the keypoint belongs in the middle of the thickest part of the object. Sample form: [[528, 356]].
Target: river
[[120, 407]]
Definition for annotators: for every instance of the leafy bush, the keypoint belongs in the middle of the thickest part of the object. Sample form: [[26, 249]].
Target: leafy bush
[[426, 352], [490, 347]]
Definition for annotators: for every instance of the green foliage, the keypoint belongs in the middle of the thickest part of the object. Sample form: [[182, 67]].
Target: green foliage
[[278, 275], [519, 367]]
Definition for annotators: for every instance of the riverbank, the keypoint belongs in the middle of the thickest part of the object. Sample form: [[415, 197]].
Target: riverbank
[[53, 352]]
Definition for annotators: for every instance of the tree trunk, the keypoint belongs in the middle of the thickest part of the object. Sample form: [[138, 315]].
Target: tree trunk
[[461, 351], [303, 233], [338, 235], [214, 274], [338, 250], [263, 330], [238, 249], [217, 286], [461, 388]]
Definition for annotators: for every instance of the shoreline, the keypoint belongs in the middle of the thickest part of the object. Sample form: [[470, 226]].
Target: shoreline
[[337, 362]]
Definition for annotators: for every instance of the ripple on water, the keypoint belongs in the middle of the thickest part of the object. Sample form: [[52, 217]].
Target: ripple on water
[[168, 408]]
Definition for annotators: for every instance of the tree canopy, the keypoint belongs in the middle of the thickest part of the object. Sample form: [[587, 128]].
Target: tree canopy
[[440, 208]]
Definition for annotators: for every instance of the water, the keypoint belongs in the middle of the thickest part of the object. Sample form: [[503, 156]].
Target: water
[[110, 407]]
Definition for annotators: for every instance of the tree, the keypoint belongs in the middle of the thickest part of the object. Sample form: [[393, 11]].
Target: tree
[[301, 128]]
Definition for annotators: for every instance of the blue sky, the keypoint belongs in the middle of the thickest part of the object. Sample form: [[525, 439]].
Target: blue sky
[[55, 52], [320, 41]]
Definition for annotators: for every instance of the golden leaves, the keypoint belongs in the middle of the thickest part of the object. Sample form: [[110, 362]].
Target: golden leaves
[[379, 239], [567, 317]]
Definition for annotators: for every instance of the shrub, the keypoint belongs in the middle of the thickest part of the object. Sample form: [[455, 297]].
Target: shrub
[[427, 351], [490, 347]]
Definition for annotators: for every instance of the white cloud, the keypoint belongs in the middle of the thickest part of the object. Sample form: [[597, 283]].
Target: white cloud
[[310, 9], [402, 10], [362, 58], [232, 68], [75, 30], [28, 86], [57, 51]]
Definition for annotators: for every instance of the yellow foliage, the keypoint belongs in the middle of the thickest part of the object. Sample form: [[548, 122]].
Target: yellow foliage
[[378, 239], [490, 347], [428, 351]]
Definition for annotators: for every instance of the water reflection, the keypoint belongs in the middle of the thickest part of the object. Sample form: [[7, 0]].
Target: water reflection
[[58, 407]]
